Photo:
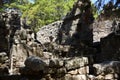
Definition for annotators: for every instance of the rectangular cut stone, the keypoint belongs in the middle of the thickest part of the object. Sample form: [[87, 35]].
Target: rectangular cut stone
[[76, 62], [109, 76], [83, 70]]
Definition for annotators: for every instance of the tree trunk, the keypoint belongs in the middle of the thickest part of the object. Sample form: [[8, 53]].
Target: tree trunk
[[1, 3]]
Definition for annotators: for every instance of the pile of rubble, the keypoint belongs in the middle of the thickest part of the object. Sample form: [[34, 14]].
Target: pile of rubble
[[77, 68], [18, 42], [57, 68]]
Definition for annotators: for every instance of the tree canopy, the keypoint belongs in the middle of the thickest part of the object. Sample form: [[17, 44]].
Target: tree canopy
[[43, 12]]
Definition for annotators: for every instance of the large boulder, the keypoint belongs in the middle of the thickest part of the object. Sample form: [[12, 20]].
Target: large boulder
[[35, 64], [107, 67]]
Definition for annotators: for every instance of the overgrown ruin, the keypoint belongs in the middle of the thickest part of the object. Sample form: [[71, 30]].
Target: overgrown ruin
[[76, 48]]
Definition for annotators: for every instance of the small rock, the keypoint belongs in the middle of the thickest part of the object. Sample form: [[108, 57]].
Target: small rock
[[109, 76], [67, 77], [100, 77], [3, 57], [47, 55], [73, 72], [56, 62], [91, 77]]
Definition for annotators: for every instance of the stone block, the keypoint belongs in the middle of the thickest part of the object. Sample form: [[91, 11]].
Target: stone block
[[76, 62], [83, 70], [109, 76], [107, 67]]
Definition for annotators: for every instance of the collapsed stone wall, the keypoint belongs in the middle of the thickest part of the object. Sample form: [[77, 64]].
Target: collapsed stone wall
[[57, 68], [73, 33], [72, 68], [101, 29], [18, 40], [76, 29]]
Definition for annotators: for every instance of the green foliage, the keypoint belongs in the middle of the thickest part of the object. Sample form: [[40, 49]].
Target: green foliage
[[41, 12], [95, 11]]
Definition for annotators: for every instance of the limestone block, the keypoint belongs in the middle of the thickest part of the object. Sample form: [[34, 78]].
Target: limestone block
[[116, 76], [76, 63], [109, 76], [83, 70], [100, 77], [107, 67]]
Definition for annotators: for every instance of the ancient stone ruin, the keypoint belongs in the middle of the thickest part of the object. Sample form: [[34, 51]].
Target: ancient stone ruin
[[76, 48]]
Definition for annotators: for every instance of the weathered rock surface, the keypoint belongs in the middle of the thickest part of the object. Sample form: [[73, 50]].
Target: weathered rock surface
[[74, 63], [75, 30], [35, 63], [18, 41], [110, 47], [57, 68], [48, 55], [56, 63], [4, 63], [107, 67], [3, 57], [51, 30], [101, 29]]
